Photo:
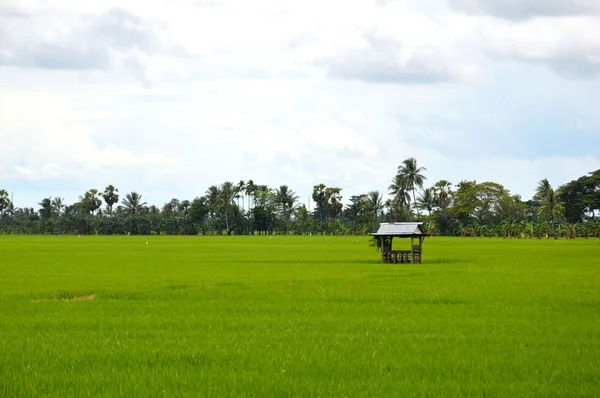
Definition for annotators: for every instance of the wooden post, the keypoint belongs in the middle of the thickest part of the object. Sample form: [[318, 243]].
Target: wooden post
[[412, 250]]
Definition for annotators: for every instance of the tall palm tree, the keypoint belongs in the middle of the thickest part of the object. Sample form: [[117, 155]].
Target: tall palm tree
[[213, 196], [90, 202], [111, 197], [286, 199], [442, 189], [46, 211], [552, 208], [57, 205], [229, 192], [184, 207], [400, 195], [542, 190], [427, 200], [132, 203], [241, 186], [132, 206], [320, 199], [374, 208], [4, 201], [249, 189], [411, 176]]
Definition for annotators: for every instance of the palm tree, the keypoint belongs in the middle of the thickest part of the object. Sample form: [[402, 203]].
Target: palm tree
[[46, 211], [132, 203], [551, 208], [543, 190], [90, 202], [132, 206], [249, 189], [411, 176], [4, 201], [57, 205], [286, 199], [229, 192], [427, 200], [400, 196], [213, 196], [241, 186], [374, 207], [442, 189], [110, 197], [320, 199], [184, 207]]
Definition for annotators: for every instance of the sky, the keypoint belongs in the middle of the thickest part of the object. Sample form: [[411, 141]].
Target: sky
[[166, 98]]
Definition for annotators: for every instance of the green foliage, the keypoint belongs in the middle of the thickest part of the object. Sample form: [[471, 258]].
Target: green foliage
[[468, 208], [581, 197]]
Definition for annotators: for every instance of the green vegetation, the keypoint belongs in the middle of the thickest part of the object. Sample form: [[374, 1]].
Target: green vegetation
[[310, 315], [468, 208]]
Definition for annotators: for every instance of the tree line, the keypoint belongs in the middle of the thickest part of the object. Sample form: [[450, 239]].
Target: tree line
[[468, 208]]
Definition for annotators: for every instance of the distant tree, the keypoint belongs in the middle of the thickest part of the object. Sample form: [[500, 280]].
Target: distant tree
[[581, 198], [57, 205], [286, 200], [132, 209], [543, 189], [411, 176], [427, 200], [111, 197], [551, 207], [400, 202], [241, 188], [4, 201], [198, 212], [90, 201], [214, 202], [46, 210], [320, 199], [132, 203], [374, 208], [229, 192], [249, 189]]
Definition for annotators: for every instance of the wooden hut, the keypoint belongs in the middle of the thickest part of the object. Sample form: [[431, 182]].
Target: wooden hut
[[388, 231]]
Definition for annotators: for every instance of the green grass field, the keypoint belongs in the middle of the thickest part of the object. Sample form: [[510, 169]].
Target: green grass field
[[297, 316]]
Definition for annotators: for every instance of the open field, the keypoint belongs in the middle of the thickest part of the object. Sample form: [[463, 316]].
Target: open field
[[281, 316]]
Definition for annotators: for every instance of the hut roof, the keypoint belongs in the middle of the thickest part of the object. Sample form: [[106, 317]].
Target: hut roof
[[405, 229]]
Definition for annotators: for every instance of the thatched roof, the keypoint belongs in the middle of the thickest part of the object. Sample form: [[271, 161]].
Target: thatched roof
[[402, 229]]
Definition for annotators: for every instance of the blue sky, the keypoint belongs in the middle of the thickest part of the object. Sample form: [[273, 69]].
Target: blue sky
[[168, 98]]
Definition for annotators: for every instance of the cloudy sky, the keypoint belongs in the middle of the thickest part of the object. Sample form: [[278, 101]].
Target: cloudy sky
[[168, 97]]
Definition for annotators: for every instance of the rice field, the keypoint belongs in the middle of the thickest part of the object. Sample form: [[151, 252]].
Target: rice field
[[297, 316]]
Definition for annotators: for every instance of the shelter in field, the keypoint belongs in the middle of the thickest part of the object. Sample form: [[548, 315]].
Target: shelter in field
[[388, 231]]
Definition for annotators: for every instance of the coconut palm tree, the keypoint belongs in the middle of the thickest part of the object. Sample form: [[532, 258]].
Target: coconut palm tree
[[400, 195], [46, 212], [229, 192], [90, 201], [241, 186], [57, 205], [543, 190], [132, 203], [411, 176], [286, 199], [374, 208], [551, 208], [132, 206], [427, 200], [249, 189], [4, 201]]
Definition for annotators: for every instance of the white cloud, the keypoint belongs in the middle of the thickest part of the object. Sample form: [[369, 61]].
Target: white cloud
[[169, 98], [525, 9]]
